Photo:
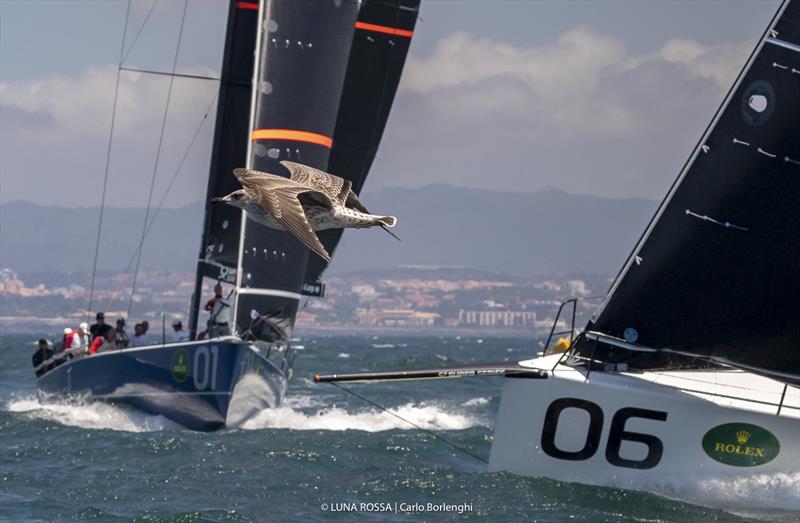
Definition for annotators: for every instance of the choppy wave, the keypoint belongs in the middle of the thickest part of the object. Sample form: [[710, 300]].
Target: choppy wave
[[475, 402], [423, 415], [90, 415], [743, 495]]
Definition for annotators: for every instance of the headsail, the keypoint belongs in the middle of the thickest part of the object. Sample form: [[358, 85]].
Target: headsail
[[715, 274], [381, 41], [219, 246]]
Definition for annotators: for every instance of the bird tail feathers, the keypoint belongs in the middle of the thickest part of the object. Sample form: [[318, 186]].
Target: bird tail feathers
[[387, 221]]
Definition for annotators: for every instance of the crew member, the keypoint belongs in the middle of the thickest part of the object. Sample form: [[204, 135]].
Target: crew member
[[179, 334], [139, 337], [66, 340], [220, 317], [100, 328], [122, 337], [42, 354], [80, 338], [104, 343]]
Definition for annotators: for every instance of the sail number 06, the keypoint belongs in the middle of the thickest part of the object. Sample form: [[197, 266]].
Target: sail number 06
[[204, 370], [616, 434]]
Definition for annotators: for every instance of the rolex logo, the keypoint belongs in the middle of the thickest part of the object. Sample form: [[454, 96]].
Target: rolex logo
[[741, 444]]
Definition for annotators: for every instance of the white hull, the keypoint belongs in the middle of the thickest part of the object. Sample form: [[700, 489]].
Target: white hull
[[690, 431]]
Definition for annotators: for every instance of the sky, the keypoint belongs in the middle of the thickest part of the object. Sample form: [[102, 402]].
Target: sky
[[593, 97]]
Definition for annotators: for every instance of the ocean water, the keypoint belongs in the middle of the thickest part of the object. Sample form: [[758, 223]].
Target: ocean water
[[323, 448]]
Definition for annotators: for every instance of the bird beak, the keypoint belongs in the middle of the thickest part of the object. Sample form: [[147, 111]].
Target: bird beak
[[219, 199]]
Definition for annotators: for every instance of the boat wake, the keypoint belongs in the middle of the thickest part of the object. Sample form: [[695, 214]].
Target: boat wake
[[295, 415], [89, 415]]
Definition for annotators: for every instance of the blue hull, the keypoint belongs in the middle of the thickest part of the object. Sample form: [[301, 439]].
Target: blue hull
[[201, 385]]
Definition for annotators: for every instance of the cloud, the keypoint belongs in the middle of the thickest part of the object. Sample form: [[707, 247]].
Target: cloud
[[73, 102], [22, 119], [574, 87], [582, 113], [469, 76], [60, 124], [719, 63]]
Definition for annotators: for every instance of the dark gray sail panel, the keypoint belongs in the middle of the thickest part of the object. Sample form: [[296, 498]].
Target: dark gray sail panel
[[788, 27], [221, 237], [380, 45], [716, 274]]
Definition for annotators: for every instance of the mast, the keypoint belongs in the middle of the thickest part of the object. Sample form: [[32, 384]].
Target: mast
[[714, 277], [220, 237]]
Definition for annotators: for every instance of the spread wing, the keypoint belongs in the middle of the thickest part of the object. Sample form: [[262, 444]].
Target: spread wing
[[278, 196], [252, 180], [332, 186]]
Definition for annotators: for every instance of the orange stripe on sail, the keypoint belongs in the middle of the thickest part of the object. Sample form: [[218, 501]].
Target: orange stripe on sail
[[253, 6], [384, 29], [288, 134]]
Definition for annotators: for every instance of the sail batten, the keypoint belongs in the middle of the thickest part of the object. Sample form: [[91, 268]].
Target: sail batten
[[786, 45], [714, 274]]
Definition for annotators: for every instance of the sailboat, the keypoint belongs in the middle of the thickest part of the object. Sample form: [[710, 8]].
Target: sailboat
[[310, 82], [691, 366]]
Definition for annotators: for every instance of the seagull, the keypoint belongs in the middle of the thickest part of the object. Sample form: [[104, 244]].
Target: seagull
[[310, 200]]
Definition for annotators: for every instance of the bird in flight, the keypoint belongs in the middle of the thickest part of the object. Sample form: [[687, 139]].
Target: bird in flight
[[310, 200]]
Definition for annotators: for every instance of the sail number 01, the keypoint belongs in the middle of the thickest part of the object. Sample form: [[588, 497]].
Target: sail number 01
[[616, 434], [204, 370]]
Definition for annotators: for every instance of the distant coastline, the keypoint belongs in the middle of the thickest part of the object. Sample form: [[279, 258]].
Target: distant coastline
[[18, 325]]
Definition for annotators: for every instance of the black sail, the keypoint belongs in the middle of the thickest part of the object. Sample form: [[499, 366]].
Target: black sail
[[219, 247], [304, 52], [380, 45], [716, 274]]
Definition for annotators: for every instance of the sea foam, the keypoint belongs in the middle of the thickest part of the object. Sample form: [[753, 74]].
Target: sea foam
[[89, 415], [427, 416], [743, 495]]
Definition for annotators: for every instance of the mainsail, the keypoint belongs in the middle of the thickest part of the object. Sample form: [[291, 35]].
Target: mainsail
[[715, 275], [219, 246], [324, 79]]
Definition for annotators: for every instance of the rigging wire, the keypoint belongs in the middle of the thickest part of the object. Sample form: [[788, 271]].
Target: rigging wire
[[449, 442], [139, 32], [108, 163], [164, 195], [158, 154]]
